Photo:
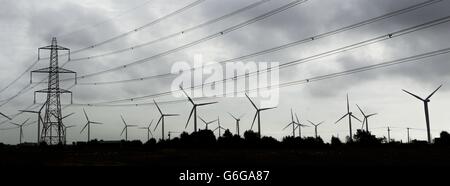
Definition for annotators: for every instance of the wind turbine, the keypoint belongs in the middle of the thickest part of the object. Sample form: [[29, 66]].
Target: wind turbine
[[293, 123], [161, 119], [299, 126], [366, 118], [149, 131], [207, 123], [65, 132], [257, 114], [40, 120], [20, 126], [194, 109], [125, 128], [88, 125], [350, 116], [238, 119], [425, 103], [219, 127], [315, 126]]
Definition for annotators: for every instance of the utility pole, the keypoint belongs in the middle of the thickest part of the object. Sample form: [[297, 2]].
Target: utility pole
[[52, 121]]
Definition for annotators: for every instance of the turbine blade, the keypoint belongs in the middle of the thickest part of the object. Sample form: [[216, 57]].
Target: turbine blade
[[256, 114], [242, 115], [150, 123], [68, 115], [310, 122], [361, 110], [251, 101], [190, 115], [320, 123], [202, 120], [341, 118], [157, 107], [5, 116], [171, 114], [189, 98], [413, 95], [296, 117], [160, 118], [370, 115], [94, 122], [84, 127], [25, 121], [355, 118], [123, 130], [433, 92], [210, 103], [263, 109], [287, 126], [232, 116], [87, 118], [213, 121], [123, 120], [348, 105]]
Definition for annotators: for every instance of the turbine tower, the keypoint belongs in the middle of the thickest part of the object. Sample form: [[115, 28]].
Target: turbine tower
[[20, 126], [257, 115], [425, 104], [350, 116], [125, 128], [219, 127], [53, 128], [238, 119], [299, 126], [88, 125], [194, 109], [39, 120], [293, 123], [366, 118], [161, 119], [315, 126], [149, 131]]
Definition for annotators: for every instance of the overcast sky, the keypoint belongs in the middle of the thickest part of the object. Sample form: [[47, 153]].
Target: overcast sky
[[26, 25]]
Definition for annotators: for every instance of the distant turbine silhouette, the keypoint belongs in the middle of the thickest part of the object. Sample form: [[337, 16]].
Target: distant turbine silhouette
[[88, 125], [20, 126], [425, 103], [40, 120], [366, 118], [299, 126], [148, 130], [194, 109], [257, 114], [125, 128], [238, 119], [161, 119], [207, 123], [315, 126], [219, 127], [350, 116], [293, 123], [65, 132]]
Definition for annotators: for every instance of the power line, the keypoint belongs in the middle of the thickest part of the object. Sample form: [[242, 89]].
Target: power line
[[187, 7], [69, 34], [292, 83], [207, 38], [274, 49], [309, 58], [154, 41], [20, 76], [253, 5], [328, 53]]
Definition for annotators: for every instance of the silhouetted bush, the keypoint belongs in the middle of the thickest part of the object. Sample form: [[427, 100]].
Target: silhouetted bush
[[335, 141], [366, 138], [444, 139]]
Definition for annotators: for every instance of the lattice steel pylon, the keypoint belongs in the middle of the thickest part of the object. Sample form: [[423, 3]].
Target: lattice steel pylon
[[52, 131]]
